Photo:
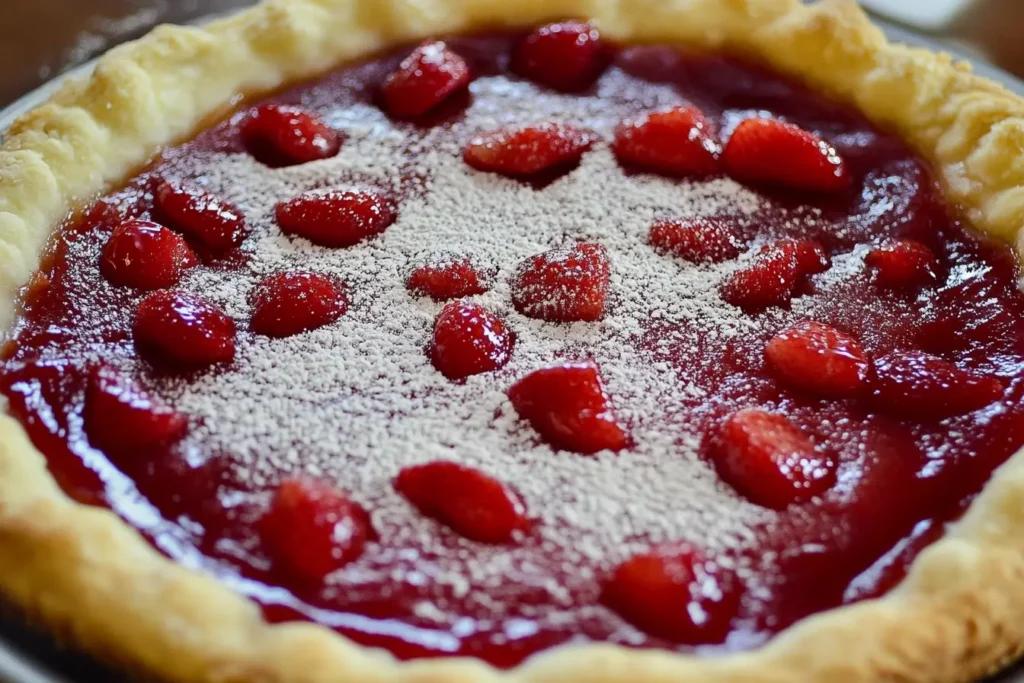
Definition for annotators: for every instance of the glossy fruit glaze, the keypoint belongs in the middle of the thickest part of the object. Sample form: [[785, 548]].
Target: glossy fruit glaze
[[895, 480]]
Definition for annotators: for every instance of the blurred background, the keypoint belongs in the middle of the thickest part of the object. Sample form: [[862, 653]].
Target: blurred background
[[40, 38]]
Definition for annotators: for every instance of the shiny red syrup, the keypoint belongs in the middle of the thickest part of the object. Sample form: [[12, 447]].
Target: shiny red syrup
[[893, 481]]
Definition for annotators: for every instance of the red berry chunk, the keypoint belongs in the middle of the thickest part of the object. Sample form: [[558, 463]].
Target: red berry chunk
[[564, 56], [527, 150], [183, 330], [121, 417], [448, 279], [312, 529], [563, 285], [774, 152], [819, 359], [698, 240], [283, 135], [903, 263], [216, 225], [921, 386], [145, 255], [466, 500], [424, 79], [676, 594], [336, 218], [569, 407], [674, 141], [772, 278], [769, 460], [469, 340], [286, 304]]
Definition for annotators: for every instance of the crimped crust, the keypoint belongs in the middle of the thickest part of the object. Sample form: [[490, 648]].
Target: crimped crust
[[959, 613]]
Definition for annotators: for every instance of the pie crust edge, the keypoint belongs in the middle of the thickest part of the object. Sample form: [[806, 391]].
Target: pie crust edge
[[90, 577]]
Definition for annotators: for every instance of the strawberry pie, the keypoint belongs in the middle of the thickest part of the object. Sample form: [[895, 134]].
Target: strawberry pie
[[648, 345]]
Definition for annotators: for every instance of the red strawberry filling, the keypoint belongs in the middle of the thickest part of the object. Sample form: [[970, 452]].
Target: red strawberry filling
[[698, 240], [921, 386], [183, 330], [469, 340], [563, 285], [212, 223], [313, 529], [336, 218], [469, 502], [774, 152], [429, 75], [675, 593], [287, 304], [569, 407], [446, 279], [528, 150], [770, 460], [819, 359], [564, 56], [121, 418], [674, 141], [284, 135], [145, 255]]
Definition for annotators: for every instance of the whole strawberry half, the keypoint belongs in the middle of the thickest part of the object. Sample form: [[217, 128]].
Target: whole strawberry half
[[819, 359], [121, 417], [523, 151], [183, 330], [770, 460], [466, 500], [145, 255], [336, 218], [285, 135], [449, 278], [701, 239], [468, 340], [564, 56], [675, 141], [313, 529], [774, 152], [564, 284], [901, 264], [213, 224], [675, 593], [428, 76], [287, 304], [569, 407]]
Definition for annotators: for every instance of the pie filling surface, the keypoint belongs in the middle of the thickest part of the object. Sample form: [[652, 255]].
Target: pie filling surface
[[517, 340]]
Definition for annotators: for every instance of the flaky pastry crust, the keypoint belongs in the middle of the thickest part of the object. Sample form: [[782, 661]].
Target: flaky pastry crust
[[89, 576]]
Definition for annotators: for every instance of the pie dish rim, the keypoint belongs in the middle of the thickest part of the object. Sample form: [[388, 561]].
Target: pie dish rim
[[88, 575]]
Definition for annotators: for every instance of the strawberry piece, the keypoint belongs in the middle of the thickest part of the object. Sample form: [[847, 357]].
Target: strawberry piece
[[121, 417], [429, 75], [774, 152], [704, 239], [675, 141], [569, 407], [444, 280], [675, 593], [469, 340], [772, 279], [183, 330], [819, 359], [918, 385], [287, 304], [336, 218], [527, 150], [766, 458], [313, 529], [215, 224], [563, 285], [280, 135], [565, 56], [145, 255], [903, 263], [469, 502]]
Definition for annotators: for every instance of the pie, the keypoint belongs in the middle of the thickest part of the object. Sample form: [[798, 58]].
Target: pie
[[464, 340]]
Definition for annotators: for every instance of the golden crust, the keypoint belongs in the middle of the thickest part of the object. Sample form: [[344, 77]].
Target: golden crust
[[959, 613]]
